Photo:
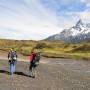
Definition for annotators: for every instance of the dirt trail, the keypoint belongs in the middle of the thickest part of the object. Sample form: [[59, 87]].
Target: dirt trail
[[52, 74]]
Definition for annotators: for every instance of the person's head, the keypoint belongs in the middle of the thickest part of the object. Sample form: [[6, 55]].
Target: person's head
[[33, 50], [11, 49]]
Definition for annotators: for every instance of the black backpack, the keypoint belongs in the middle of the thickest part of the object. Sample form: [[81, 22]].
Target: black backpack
[[37, 58]]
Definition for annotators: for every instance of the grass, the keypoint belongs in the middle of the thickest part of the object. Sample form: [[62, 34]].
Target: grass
[[49, 49], [85, 56]]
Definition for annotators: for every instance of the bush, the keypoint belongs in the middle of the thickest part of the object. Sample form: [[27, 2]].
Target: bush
[[25, 52], [42, 45]]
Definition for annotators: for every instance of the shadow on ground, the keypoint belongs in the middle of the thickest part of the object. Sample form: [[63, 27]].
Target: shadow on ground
[[21, 73], [4, 71], [17, 73]]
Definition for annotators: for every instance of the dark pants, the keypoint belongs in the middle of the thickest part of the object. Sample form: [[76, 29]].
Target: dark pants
[[32, 69]]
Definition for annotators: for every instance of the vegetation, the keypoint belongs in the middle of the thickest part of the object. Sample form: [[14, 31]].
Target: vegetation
[[49, 49]]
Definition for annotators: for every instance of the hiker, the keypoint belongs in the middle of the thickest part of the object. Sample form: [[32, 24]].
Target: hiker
[[12, 56], [34, 62]]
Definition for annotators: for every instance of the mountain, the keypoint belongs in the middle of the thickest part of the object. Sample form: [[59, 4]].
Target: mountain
[[77, 33]]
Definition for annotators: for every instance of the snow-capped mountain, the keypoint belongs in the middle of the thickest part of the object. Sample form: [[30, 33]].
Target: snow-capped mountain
[[77, 33]]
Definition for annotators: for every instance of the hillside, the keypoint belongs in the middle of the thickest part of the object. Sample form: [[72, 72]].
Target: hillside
[[48, 49], [77, 33], [19, 45]]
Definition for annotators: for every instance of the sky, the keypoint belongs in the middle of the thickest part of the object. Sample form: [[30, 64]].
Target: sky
[[38, 19]]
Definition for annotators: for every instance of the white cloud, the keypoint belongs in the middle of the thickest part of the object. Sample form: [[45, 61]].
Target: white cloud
[[29, 23], [87, 2], [85, 16], [67, 1], [31, 20]]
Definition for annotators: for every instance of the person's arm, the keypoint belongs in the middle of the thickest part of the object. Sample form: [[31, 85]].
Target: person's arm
[[31, 57], [8, 55], [16, 55]]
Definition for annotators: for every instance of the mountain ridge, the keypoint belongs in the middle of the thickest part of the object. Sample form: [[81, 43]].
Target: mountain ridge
[[75, 34]]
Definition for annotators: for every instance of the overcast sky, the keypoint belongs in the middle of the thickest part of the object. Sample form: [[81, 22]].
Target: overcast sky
[[38, 19]]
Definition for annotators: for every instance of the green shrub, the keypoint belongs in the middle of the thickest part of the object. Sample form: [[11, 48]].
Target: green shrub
[[25, 53], [42, 45]]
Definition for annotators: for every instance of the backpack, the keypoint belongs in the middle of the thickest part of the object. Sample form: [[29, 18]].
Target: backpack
[[37, 58], [12, 55]]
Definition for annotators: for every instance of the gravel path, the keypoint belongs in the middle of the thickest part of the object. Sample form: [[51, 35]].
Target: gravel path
[[52, 74]]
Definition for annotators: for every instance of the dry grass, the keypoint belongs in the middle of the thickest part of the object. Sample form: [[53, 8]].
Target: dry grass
[[49, 49]]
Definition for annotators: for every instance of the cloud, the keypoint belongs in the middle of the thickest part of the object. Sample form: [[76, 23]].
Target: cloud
[[37, 19], [87, 2], [31, 21]]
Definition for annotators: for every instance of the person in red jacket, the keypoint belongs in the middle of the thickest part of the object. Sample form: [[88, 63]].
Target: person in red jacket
[[32, 63]]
